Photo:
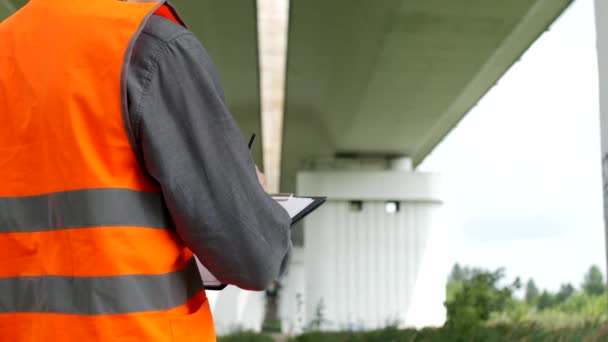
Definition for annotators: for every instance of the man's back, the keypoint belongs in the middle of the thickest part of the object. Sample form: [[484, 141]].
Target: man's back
[[88, 249]]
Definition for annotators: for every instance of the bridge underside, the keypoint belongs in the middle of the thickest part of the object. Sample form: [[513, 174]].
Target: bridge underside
[[393, 77], [368, 78]]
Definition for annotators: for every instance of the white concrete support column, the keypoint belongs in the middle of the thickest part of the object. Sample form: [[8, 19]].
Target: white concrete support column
[[237, 310], [293, 295], [601, 20], [374, 254]]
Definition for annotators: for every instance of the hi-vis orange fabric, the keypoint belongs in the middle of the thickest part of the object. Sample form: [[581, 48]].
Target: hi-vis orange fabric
[[87, 252]]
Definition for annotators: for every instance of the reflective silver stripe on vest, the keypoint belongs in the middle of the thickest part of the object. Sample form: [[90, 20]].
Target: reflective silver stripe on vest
[[100, 295], [82, 208]]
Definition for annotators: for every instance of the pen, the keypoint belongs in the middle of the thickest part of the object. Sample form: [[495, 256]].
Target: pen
[[251, 140]]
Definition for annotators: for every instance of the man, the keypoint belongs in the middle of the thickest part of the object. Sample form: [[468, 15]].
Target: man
[[118, 159]]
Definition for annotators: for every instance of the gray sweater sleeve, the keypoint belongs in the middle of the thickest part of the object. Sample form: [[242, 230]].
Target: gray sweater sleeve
[[189, 143]]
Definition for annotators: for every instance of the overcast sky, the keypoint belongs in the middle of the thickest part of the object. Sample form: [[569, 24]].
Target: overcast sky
[[522, 169]]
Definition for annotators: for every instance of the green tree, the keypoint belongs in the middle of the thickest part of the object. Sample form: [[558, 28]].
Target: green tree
[[545, 301], [452, 288], [463, 273], [593, 283], [532, 293], [565, 291], [477, 299], [582, 305], [457, 274]]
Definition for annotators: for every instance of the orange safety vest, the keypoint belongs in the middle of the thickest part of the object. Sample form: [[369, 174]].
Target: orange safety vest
[[87, 251]]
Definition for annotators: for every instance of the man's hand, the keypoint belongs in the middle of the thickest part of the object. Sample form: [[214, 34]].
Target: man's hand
[[261, 179]]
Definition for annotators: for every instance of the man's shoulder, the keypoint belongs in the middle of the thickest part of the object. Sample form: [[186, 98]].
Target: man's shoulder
[[163, 29]]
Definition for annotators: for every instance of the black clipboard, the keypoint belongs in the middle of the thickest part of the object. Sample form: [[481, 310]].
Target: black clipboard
[[317, 202]]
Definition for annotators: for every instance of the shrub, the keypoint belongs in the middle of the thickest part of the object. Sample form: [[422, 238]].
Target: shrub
[[477, 299]]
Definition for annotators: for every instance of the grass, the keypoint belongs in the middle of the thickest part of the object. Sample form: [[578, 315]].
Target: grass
[[589, 331], [529, 332]]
